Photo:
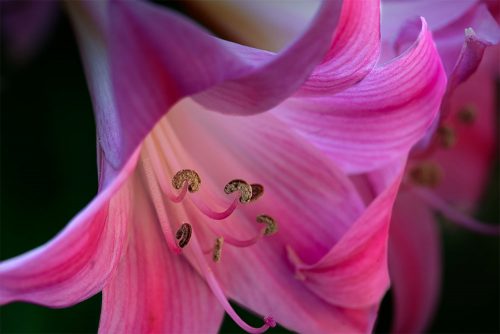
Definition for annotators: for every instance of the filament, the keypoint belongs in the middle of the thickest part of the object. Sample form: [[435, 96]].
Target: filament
[[454, 215], [219, 294]]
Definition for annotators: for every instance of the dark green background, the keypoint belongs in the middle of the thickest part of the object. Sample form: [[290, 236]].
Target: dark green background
[[48, 173]]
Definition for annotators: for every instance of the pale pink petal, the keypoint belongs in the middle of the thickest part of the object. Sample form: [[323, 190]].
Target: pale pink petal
[[353, 53], [25, 26], [155, 290], [354, 272], [276, 76], [438, 14], [76, 264], [260, 149], [379, 119], [354, 47], [414, 264], [482, 31], [461, 44], [137, 70], [312, 201]]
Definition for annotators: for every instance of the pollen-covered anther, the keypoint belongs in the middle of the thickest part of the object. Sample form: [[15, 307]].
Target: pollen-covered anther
[[183, 234], [271, 225], [467, 115], [242, 186], [217, 252], [447, 136], [257, 191], [426, 174], [187, 175]]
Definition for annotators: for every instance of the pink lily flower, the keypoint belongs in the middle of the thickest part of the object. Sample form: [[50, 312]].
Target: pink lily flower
[[465, 137], [160, 241]]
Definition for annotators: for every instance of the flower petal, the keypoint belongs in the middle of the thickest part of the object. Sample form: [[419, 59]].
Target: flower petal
[[76, 264], [354, 272], [378, 120], [437, 14], [482, 31], [155, 290], [313, 202], [353, 53], [147, 71], [261, 149], [354, 47], [277, 76], [475, 142], [414, 264]]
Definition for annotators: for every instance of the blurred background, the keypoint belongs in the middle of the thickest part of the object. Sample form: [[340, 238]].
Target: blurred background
[[48, 173]]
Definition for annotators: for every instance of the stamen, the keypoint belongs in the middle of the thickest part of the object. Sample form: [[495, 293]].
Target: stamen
[[447, 136], [467, 115], [219, 294], [426, 174], [454, 215], [271, 225], [217, 252], [153, 165], [257, 191], [183, 234], [156, 197], [209, 212], [239, 185], [187, 175]]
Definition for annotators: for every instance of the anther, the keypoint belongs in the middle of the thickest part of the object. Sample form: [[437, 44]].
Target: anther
[[467, 115], [183, 234], [257, 191], [271, 225], [427, 174], [446, 136], [189, 176], [217, 252], [239, 185]]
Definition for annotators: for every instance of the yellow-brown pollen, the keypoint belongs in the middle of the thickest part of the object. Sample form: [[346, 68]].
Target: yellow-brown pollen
[[242, 186], [189, 176], [467, 115], [257, 191], [426, 174], [271, 226], [446, 136], [217, 252]]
